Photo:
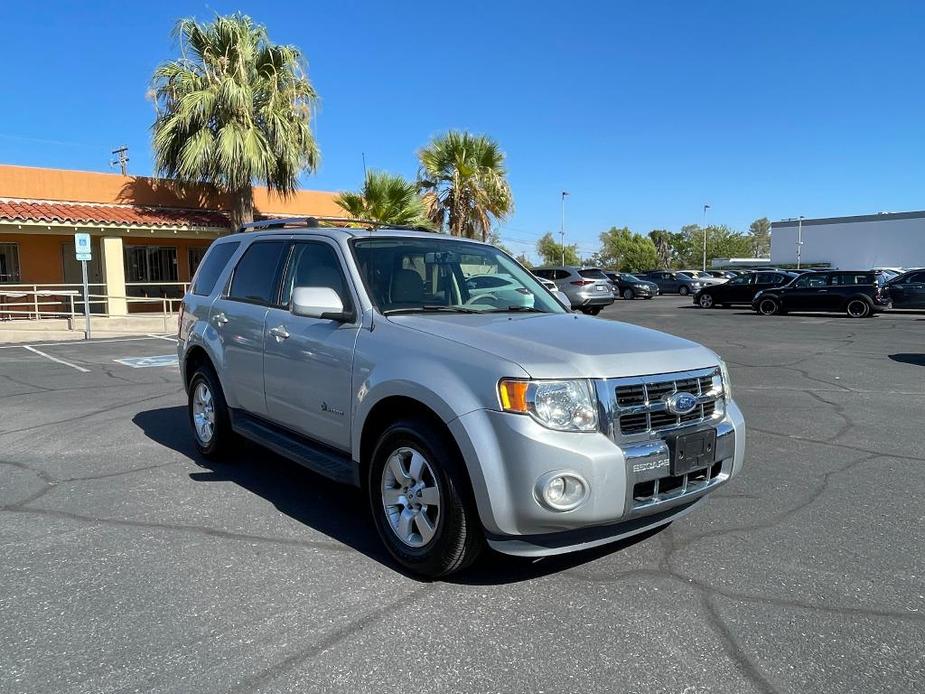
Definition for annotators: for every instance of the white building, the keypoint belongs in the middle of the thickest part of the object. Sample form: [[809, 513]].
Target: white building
[[858, 243]]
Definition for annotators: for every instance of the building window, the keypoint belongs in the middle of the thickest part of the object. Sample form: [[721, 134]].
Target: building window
[[195, 257], [151, 264], [9, 263]]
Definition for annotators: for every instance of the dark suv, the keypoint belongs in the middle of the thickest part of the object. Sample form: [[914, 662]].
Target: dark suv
[[741, 289], [908, 290], [859, 293]]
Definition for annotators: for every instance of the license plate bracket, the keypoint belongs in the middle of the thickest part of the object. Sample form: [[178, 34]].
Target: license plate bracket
[[691, 452]]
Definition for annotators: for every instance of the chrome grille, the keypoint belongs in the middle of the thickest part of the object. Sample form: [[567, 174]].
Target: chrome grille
[[640, 404]]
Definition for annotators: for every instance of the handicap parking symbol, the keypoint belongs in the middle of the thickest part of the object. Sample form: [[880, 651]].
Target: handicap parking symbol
[[148, 362]]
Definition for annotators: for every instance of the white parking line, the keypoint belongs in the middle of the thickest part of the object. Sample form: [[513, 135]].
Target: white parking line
[[76, 343], [55, 359], [164, 337]]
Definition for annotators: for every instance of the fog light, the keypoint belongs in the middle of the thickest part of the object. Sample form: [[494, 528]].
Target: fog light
[[561, 491]]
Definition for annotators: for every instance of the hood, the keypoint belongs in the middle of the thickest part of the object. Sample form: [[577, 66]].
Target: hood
[[566, 345]]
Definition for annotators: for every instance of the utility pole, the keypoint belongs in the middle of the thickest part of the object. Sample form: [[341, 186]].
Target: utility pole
[[799, 241], [705, 208], [562, 228], [122, 161], [365, 175]]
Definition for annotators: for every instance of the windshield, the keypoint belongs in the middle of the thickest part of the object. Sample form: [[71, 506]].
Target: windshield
[[630, 278], [417, 275]]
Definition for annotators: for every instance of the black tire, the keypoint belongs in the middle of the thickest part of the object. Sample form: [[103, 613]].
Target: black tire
[[457, 534], [684, 290], [629, 294], [222, 435], [858, 308], [768, 307]]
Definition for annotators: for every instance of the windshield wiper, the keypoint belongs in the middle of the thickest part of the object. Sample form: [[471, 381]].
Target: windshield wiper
[[516, 309], [427, 309]]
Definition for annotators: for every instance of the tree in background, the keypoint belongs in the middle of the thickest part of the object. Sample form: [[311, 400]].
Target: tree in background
[[722, 242], [386, 198], [553, 253], [234, 110], [464, 183], [759, 233], [623, 250], [661, 239], [524, 260]]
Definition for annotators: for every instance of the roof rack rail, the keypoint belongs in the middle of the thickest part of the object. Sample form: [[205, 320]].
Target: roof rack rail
[[319, 222]]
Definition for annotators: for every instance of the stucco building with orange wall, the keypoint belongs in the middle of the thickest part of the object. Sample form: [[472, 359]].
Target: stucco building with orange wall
[[147, 234]]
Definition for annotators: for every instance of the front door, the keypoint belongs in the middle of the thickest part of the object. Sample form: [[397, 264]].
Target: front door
[[909, 292], [308, 362], [738, 290], [808, 293], [240, 318]]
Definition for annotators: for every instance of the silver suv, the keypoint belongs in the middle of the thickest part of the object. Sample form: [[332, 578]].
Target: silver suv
[[587, 289], [495, 417]]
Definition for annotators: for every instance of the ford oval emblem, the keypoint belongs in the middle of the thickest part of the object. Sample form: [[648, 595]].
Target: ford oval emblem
[[681, 403]]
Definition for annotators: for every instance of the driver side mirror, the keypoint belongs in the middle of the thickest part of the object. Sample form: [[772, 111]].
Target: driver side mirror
[[318, 302]]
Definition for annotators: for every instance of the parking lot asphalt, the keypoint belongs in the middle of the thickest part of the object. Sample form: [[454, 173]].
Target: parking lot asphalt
[[128, 563]]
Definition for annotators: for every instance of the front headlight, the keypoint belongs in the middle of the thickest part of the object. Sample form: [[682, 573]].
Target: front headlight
[[560, 405], [641, 286], [727, 382]]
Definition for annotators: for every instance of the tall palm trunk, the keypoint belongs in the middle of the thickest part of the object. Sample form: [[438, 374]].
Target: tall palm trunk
[[242, 207]]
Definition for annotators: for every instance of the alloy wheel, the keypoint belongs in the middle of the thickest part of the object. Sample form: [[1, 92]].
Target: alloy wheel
[[767, 307], [203, 413], [706, 301], [410, 497]]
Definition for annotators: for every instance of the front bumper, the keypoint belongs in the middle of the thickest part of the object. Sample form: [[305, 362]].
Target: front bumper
[[507, 453]]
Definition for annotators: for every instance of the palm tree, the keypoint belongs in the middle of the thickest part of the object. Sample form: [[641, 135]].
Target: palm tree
[[234, 110], [464, 183], [387, 199]]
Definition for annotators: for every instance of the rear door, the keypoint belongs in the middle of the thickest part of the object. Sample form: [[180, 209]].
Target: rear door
[[764, 280], [239, 316], [909, 291], [308, 362]]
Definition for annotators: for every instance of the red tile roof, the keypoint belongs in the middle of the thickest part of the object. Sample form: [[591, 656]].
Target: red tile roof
[[125, 215]]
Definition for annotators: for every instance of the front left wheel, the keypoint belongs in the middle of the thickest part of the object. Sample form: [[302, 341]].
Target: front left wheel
[[629, 294], [420, 500], [684, 291], [705, 301]]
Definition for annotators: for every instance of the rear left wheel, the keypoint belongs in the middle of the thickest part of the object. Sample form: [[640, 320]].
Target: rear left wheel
[[208, 413], [857, 308], [592, 311]]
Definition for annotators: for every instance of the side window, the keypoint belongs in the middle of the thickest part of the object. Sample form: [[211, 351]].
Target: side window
[[211, 267], [542, 273], [765, 278], [257, 274], [746, 279], [918, 278], [315, 264], [811, 281], [849, 278], [561, 274]]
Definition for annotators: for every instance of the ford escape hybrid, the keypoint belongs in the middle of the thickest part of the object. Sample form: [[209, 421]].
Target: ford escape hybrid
[[469, 418]]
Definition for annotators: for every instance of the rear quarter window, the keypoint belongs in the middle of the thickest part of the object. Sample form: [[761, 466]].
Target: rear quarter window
[[211, 267]]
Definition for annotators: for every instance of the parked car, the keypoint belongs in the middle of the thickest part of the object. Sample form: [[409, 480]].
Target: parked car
[[495, 284], [549, 284], [741, 289], [723, 274], [629, 286], [669, 282], [858, 293], [908, 290], [465, 419], [704, 277], [588, 289]]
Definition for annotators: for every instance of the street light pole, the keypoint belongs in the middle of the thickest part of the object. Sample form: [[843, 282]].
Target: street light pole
[[562, 227], [705, 208], [799, 241]]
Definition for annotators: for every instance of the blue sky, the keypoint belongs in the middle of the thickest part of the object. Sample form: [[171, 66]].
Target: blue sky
[[642, 111]]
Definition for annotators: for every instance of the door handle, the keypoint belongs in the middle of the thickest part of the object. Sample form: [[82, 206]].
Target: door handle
[[279, 332], [221, 318]]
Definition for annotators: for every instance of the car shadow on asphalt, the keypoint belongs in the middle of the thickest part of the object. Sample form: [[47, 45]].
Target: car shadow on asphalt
[[909, 358], [336, 510]]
